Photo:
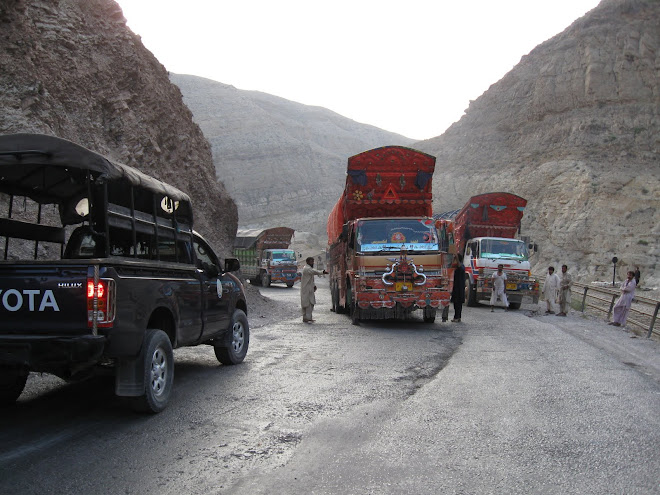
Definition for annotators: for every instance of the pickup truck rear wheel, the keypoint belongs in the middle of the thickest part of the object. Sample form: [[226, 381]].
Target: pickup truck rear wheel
[[158, 372], [12, 383], [234, 351]]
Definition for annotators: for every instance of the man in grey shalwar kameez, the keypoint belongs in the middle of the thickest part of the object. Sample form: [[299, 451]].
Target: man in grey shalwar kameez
[[565, 284], [307, 289]]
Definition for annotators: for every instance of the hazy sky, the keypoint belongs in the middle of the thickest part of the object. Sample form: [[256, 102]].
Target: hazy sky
[[408, 67]]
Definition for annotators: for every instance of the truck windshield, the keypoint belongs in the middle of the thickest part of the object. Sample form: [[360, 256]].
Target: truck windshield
[[504, 249], [395, 234], [284, 255]]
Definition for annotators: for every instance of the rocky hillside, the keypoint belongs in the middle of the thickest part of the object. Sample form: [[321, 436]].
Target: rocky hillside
[[284, 163], [574, 128], [73, 69]]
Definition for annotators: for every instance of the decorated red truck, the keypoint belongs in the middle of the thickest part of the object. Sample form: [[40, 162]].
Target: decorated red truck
[[386, 258], [485, 232]]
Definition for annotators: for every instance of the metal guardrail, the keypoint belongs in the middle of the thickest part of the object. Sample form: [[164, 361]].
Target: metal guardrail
[[602, 299]]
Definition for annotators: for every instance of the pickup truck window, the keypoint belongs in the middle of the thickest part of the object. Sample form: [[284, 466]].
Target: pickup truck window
[[206, 259]]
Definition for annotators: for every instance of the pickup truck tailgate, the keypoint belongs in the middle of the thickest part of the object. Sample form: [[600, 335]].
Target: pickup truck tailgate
[[43, 299]]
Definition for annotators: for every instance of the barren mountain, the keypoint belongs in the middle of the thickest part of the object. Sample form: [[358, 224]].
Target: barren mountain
[[574, 129], [284, 163], [73, 69]]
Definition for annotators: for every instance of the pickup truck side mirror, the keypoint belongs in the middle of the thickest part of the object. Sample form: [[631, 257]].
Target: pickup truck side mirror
[[232, 265]]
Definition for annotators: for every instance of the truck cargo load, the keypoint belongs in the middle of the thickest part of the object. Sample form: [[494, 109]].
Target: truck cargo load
[[489, 215], [384, 182]]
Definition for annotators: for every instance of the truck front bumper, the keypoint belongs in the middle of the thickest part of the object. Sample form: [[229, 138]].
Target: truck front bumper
[[377, 299]]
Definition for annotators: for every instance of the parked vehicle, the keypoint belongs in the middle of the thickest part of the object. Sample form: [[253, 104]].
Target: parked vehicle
[[114, 279], [265, 256], [485, 231], [386, 258]]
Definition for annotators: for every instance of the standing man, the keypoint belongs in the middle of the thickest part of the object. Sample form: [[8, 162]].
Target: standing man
[[565, 284], [637, 276], [307, 289], [458, 290], [622, 306], [550, 289], [499, 289]]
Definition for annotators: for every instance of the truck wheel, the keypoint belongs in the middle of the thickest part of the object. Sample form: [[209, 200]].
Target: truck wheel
[[333, 299], [12, 383], [289, 284], [158, 372], [355, 314], [429, 315], [472, 295], [338, 307], [265, 280], [351, 306], [234, 351], [514, 305]]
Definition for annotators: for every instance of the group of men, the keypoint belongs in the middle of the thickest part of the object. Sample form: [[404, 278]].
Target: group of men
[[557, 290]]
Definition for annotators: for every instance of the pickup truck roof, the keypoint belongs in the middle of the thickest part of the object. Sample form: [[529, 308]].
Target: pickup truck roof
[[40, 167]]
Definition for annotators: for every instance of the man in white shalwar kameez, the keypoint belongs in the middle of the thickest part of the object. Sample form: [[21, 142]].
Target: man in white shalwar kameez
[[499, 288], [307, 289], [622, 306], [550, 290]]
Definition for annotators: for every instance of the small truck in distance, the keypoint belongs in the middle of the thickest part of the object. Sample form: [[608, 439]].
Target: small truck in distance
[[265, 256], [101, 271]]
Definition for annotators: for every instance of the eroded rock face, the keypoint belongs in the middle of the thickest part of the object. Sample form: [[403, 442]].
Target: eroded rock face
[[73, 69], [573, 128]]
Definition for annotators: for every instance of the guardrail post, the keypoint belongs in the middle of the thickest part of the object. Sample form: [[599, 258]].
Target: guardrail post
[[609, 313], [655, 315], [584, 298]]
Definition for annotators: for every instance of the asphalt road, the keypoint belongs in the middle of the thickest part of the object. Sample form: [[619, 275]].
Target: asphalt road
[[502, 403]]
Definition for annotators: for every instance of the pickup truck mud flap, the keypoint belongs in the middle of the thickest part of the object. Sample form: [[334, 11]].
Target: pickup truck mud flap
[[129, 376]]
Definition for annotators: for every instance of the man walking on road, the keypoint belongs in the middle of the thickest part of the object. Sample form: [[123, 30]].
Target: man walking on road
[[550, 289], [565, 284], [307, 289], [499, 289]]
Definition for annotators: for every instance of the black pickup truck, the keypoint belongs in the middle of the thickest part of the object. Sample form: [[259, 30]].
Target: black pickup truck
[[101, 270]]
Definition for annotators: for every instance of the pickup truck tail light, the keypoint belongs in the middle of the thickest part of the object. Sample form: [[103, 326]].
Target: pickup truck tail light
[[105, 303]]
